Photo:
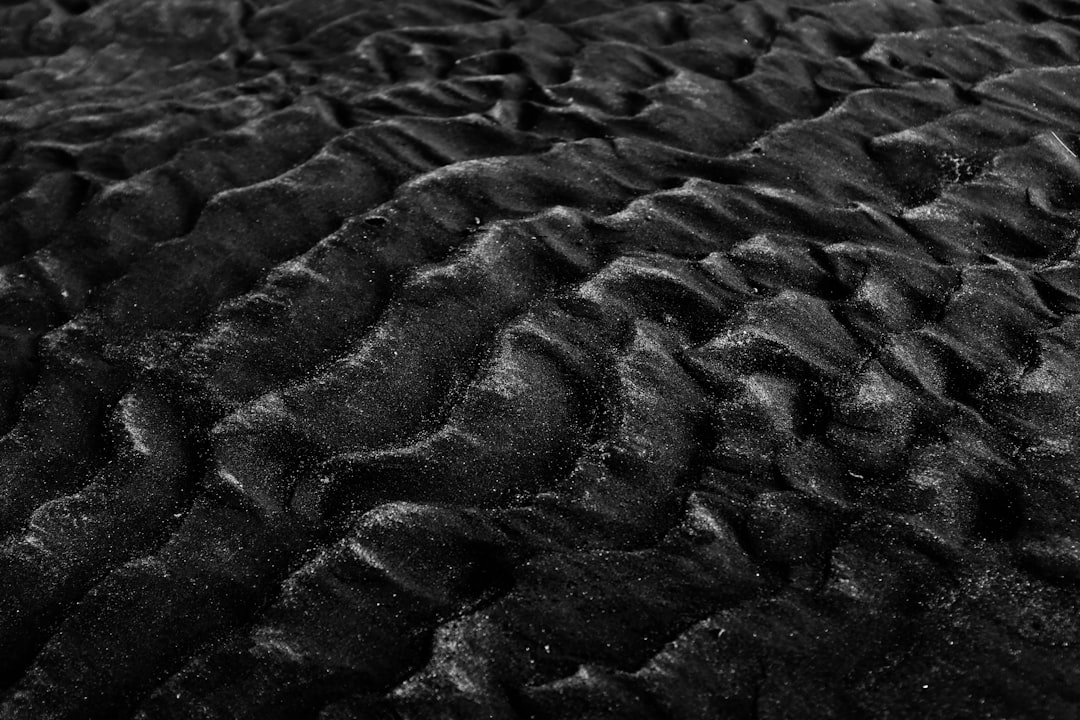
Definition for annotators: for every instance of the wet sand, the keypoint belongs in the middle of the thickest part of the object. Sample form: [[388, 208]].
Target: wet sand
[[522, 359]]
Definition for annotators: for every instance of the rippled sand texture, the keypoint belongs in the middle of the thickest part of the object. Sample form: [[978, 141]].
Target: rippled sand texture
[[521, 359]]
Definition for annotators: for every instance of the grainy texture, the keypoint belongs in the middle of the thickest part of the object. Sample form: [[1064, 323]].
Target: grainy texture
[[519, 359]]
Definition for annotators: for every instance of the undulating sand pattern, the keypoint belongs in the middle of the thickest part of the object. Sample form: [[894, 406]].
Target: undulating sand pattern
[[507, 359]]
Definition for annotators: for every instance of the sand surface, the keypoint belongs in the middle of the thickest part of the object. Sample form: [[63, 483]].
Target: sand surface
[[507, 359]]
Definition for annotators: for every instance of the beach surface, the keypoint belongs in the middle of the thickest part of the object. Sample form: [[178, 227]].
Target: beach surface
[[507, 359]]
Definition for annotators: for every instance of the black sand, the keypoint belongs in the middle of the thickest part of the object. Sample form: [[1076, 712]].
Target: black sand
[[522, 359]]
